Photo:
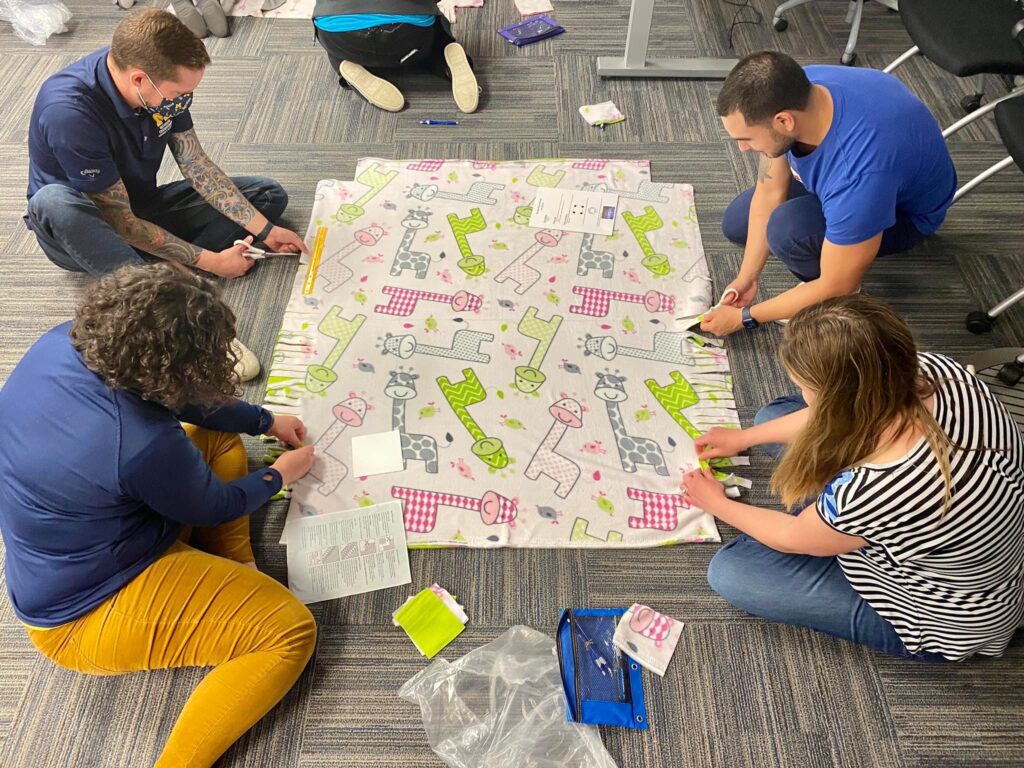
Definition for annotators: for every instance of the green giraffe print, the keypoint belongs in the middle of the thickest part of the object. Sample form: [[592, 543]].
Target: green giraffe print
[[490, 450], [376, 181], [579, 533], [538, 178], [674, 398], [529, 377], [470, 263], [655, 263], [319, 377]]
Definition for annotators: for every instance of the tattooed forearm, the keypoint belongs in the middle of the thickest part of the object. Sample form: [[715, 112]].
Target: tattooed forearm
[[764, 165], [209, 180], [116, 210]]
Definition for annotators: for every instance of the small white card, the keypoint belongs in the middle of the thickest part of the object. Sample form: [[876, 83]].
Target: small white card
[[377, 454], [574, 210]]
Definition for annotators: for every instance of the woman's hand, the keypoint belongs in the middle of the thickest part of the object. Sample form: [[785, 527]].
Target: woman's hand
[[719, 442], [289, 430], [701, 488], [294, 464]]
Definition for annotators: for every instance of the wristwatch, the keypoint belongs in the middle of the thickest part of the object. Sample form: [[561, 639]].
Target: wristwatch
[[748, 321], [265, 232]]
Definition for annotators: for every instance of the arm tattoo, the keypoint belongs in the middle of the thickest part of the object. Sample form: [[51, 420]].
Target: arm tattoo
[[764, 165], [209, 180], [116, 210]]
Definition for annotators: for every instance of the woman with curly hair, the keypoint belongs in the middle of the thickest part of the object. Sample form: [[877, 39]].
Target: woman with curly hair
[[127, 531], [912, 541]]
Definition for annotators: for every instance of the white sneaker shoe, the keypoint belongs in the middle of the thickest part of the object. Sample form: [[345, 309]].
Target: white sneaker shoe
[[248, 367], [464, 86], [376, 90]]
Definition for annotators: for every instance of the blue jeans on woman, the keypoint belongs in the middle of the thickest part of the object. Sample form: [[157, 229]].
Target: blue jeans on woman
[[799, 589], [796, 231], [73, 234]]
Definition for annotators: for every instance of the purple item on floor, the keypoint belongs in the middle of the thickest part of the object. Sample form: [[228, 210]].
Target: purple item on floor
[[531, 30]]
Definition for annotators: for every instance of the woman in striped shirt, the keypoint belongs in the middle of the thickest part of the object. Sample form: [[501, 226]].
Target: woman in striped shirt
[[914, 541]]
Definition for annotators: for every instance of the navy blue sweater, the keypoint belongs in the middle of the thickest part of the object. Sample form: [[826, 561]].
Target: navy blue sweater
[[96, 484]]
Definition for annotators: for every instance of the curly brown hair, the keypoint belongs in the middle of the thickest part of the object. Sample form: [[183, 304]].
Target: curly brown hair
[[160, 332]]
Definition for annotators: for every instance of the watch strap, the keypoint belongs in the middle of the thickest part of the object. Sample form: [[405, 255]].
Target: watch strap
[[265, 232], [748, 320]]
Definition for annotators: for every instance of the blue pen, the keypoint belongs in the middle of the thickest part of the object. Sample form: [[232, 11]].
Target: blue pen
[[439, 122]]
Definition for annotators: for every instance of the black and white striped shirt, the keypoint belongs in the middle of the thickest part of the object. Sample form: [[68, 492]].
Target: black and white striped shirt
[[952, 585]]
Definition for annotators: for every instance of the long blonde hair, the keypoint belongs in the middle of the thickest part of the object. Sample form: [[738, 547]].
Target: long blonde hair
[[860, 359]]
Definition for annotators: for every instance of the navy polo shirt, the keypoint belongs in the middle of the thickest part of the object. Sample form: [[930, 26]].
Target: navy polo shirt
[[98, 483], [85, 136]]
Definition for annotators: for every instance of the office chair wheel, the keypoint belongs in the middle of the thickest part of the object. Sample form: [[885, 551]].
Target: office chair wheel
[[849, 59], [780, 25], [970, 103], [1010, 374], [979, 322]]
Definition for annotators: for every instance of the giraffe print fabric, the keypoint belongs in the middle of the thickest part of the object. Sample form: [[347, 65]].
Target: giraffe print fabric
[[544, 394]]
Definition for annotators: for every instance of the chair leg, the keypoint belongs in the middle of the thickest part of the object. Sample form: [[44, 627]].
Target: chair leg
[[902, 59], [780, 23], [853, 16], [1005, 304], [1006, 162], [963, 122]]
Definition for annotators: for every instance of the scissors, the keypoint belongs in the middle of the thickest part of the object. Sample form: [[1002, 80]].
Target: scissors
[[253, 252], [694, 320]]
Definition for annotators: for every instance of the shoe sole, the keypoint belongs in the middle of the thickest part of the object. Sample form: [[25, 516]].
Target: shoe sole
[[375, 90], [464, 86]]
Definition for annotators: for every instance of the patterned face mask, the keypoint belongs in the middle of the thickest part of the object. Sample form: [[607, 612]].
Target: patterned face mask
[[167, 108]]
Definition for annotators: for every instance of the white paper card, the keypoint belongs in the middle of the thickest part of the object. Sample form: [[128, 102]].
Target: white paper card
[[575, 210], [376, 454], [347, 552]]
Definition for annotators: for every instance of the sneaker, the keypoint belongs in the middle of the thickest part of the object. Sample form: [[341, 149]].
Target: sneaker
[[375, 90], [464, 85], [214, 17], [248, 367], [188, 15]]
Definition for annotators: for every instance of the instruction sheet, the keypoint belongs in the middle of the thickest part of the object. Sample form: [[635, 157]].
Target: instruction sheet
[[575, 210], [337, 554]]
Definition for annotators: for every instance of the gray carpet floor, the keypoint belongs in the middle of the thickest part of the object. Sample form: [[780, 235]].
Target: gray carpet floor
[[740, 692]]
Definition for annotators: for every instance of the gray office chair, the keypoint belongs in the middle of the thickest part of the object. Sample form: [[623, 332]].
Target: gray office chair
[[853, 16]]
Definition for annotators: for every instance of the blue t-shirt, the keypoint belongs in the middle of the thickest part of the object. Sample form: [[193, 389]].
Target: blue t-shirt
[[356, 21], [85, 136], [883, 153], [98, 483]]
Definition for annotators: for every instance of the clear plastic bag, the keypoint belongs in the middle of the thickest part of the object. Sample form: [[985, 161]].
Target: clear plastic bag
[[35, 20], [502, 705]]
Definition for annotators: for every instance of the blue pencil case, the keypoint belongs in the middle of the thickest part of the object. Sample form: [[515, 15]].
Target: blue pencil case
[[602, 685]]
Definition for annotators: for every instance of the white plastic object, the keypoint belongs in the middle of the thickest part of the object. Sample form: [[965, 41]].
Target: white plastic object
[[35, 20]]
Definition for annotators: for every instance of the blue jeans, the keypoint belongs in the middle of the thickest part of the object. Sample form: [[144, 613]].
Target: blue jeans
[[796, 231], [74, 235], [799, 589]]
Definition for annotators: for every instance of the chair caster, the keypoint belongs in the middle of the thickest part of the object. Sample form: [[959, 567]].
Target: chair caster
[[1010, 374], [971, 103], [979, 322], [780, 25], [849, 59]]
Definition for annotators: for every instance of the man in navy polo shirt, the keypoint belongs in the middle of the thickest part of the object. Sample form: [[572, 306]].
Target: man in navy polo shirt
[[853, 166], [97, 137]]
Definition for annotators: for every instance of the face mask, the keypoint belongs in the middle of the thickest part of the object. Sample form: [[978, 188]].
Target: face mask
[[168, 108]]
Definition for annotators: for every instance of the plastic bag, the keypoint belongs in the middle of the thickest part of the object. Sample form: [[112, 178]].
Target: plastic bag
[[502, 705], [35, 20]]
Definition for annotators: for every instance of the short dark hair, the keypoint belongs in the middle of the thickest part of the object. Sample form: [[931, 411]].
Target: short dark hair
[[762, 85], [158, 43], [161, 332]]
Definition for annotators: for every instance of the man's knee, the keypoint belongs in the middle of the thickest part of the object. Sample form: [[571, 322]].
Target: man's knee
[[736, 218], [54, 199], [270, 198]]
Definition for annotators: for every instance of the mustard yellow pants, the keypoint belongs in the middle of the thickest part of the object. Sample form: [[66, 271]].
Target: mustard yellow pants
[[194, 608]]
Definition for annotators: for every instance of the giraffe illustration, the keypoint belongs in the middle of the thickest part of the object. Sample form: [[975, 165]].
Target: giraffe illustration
[[333, 271], [633, 450], [580, 534], [589, 259], [465, 346], [541, 179], [471, 263], [328, 469], [519, 271], [479, 192], [674, 398], [655, 263], [667, 347], [469, 391], [405, 257], [375, 181], [322, 375], [400, 388], [529, 377], [567, 414]]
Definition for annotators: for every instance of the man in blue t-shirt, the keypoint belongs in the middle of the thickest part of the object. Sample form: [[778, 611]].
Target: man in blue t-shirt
[[97, 137], [853, 166]]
